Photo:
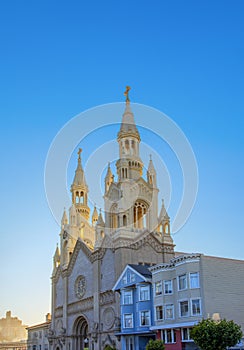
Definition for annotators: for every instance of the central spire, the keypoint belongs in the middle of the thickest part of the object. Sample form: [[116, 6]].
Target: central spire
[[129, 166]]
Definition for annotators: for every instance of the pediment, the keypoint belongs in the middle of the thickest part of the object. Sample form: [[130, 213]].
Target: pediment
[[150, 240], [79, 246]]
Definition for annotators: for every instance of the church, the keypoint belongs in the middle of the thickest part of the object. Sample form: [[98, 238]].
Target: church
[[95, 247]]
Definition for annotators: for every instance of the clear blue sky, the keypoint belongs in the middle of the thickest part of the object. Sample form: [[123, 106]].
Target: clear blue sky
[[59, 58]]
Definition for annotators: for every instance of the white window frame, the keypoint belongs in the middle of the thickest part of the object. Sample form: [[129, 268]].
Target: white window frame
[[129, 342], [132, 320], [188, 335], [183, 275], [149, 318], [171, 306], [164, 336], [159, 319], [140, 288], [200, 306], [161, 286], [182, 301], [166, 282], [123, 296], [198, 280]]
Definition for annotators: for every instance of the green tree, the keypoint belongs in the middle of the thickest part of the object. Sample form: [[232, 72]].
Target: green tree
[[155, 345], [218, 335], [108, 347]]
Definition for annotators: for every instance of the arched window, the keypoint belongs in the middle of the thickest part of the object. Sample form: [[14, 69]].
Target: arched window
[[140, 210], [166, 228], [124, 220], [114, 217], [82, 197]]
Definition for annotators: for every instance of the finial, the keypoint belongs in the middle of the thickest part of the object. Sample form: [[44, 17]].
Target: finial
[[126, 93], [79, 152], [150, 156]]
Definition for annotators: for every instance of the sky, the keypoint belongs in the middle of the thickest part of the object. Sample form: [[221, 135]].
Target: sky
[[58, 59]]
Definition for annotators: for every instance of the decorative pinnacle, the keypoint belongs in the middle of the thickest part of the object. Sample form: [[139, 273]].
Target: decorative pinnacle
[[126, 93]]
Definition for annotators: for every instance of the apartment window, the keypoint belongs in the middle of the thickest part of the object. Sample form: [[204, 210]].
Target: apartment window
[[182, 282], [129, 343], [158, 288], [168, 336], [168, 287], [144, 293], [195, 307], [128, 321], [185, 334], [159, 312], [127, 297], [145, 318], [169, 312], [184, 308], [194, 280]]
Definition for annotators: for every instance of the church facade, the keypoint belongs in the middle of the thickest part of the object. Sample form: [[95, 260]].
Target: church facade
[[95, 247]]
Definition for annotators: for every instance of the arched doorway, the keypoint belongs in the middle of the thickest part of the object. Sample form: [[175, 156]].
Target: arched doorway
[[81, 340]]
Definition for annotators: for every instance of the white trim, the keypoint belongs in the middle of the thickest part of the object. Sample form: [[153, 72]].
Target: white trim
[[191, 273], [200, 303], [175, 325], [124, 320], [145, 325], [173, 309], [154, 288], [187, 262], [139, 292], [178, 280], [122, 295], [189, 311], [171, 287], [122, 273], [155, 312]]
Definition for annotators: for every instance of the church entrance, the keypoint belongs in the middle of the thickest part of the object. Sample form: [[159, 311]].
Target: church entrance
[[81, 340]]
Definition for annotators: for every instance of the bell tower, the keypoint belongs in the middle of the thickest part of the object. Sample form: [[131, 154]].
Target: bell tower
[[79, 190], [129, 165]]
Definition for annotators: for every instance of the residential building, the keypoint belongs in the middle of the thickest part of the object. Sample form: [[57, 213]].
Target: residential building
[[38, 335], [136, 311], [191, 287]]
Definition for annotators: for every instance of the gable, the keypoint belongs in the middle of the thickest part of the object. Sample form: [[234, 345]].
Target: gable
[[113, 192], [129, 277]]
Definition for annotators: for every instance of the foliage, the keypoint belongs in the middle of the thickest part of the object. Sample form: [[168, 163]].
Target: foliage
[[155, 345], [108, 347], [218, 335]]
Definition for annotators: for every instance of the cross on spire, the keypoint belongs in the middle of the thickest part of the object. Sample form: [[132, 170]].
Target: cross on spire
[[79, 152], [126, 93]]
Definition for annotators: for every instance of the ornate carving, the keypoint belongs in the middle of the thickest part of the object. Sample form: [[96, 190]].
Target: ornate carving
[[98, 254], [109, 317], [59, 312], [80, 306], [80, 286], [107, 298]]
